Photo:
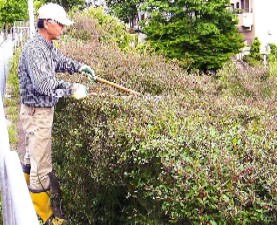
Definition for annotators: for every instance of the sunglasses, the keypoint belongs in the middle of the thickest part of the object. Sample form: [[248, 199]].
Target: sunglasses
[[54, 21]]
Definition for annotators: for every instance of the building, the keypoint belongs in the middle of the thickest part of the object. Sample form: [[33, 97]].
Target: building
[[95, 3], [257, 18]]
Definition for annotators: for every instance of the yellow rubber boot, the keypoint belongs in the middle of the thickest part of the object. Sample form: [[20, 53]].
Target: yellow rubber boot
[[26, 170], [27, 178], [56, 221], [41, 202]]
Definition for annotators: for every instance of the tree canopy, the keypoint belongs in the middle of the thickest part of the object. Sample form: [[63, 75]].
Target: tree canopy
[[13, 10], [202, 34], [126, 10], [67, 4], [2, 3]]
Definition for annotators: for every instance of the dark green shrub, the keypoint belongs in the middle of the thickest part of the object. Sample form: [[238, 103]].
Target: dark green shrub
[[273, 52], [252, 61], [255, 56]]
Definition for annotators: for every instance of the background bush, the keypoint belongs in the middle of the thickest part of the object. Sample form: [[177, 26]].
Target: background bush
[[94, 25]]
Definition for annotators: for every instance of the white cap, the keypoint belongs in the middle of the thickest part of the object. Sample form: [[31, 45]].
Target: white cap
[[54, 12]]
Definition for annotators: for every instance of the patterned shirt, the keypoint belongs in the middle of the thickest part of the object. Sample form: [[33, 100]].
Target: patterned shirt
[[38, 64]]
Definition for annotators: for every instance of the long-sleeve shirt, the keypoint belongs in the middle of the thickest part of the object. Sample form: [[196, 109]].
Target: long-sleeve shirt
[[38, 64]]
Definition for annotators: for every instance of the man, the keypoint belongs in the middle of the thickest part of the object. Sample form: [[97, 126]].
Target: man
[[40, 92]]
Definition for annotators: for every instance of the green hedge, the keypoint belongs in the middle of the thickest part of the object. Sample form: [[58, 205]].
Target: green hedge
[[143, 160], [192, 150]]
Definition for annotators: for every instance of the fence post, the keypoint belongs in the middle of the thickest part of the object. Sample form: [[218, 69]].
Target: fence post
[[31, 17]]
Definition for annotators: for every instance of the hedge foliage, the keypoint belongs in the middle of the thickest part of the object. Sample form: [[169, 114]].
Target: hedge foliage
[[191, 150]]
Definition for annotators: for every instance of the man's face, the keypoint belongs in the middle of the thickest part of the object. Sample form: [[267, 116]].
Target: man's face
[[54, 29]]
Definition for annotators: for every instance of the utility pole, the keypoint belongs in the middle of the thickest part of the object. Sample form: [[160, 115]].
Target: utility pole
[[31, 17]]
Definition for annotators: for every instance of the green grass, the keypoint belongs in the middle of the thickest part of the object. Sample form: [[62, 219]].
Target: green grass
[[13, 137], [11, 104], [272, 68]]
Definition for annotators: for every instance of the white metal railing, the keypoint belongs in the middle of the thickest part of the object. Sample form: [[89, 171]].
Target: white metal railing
[[17, 207], [20, 33], [6, 47]]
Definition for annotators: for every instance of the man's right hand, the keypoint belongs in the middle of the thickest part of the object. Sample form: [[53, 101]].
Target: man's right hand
[[79, 91]]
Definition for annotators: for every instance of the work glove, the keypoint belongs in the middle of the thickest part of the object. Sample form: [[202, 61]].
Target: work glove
[[79, 91], [88, 72]]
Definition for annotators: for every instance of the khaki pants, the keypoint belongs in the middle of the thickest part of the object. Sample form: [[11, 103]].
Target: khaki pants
[[37, 125]]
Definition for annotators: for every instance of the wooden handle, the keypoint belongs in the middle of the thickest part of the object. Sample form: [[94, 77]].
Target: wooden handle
[[117, 86]]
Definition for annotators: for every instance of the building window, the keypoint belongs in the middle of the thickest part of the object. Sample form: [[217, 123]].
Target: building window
[[242, 4]]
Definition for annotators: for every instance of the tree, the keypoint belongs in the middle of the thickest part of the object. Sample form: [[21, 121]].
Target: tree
[[201, 34], [13, 10], [255, 49], [126, 10], [68, 4], [255, 56], [2, 2]]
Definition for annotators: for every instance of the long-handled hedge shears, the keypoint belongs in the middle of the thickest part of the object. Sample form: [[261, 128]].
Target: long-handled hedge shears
[[130, 91]]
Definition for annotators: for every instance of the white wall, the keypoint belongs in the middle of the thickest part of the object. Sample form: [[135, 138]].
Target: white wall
[[265, 16]]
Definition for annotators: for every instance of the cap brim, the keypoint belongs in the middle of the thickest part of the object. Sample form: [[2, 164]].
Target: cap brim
[[65, 22]]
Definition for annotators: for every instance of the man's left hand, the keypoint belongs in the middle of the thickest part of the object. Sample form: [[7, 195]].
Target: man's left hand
[[88, 72]]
